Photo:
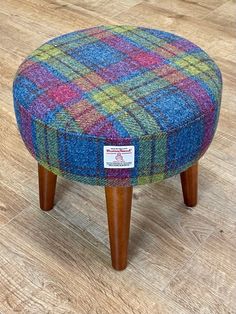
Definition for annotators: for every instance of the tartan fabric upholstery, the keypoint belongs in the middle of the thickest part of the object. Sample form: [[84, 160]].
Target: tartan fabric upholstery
[[117, 85]]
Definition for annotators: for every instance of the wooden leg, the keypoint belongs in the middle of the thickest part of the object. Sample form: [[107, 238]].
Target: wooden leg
[[47, 186], [189, 181], [119, 200]]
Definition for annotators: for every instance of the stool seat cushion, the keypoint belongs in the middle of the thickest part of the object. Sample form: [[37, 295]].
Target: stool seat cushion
[[117, 86]]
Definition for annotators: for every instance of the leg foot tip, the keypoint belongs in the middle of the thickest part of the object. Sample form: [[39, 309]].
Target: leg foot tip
[[46, 208], [119, 267], [193, 204]]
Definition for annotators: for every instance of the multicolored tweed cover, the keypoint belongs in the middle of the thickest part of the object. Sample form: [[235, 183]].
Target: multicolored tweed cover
[[117, 85]]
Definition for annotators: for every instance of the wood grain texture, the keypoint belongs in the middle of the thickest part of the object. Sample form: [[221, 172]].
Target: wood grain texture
[[11, 204], [66, 274], [119, 202], [210, 281], [47, 187], [195, 9], [189, 182], [180, 260], [104, 7]]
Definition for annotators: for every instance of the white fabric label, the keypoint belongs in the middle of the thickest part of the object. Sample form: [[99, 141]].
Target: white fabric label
[[118, 156]]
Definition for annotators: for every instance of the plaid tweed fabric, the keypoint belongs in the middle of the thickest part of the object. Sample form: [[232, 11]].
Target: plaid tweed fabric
[[117, 85]]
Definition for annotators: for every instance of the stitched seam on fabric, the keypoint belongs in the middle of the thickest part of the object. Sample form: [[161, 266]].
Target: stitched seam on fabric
[[149, 136]]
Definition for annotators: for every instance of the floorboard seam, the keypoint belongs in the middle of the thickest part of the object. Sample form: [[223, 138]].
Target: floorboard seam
[[6, 224], [77, 234], [213, 11], [188, 261]]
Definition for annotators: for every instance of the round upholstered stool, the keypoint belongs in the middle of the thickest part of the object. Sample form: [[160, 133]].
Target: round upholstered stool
[[117, 106]]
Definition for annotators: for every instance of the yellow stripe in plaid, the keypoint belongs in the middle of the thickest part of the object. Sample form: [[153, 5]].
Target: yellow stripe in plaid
[[47, 52], [192, 65], [107, 96]]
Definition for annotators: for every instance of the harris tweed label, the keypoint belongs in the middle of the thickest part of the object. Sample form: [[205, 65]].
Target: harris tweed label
[[118, 156]]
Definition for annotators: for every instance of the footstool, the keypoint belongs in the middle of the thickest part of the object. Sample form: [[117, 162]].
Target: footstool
[[117, 106]]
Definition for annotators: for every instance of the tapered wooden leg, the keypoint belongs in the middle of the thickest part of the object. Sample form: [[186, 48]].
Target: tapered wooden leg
[[189, 181], [47, 186], [119, 201]]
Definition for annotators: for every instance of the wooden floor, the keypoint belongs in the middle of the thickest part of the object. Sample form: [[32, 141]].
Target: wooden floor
[[181, 260]]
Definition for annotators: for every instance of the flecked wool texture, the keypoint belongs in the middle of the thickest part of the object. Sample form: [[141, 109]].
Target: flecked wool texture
[[119, 86]]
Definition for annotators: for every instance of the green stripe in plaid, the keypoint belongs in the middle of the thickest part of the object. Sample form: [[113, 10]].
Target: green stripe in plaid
[[118, 86]]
